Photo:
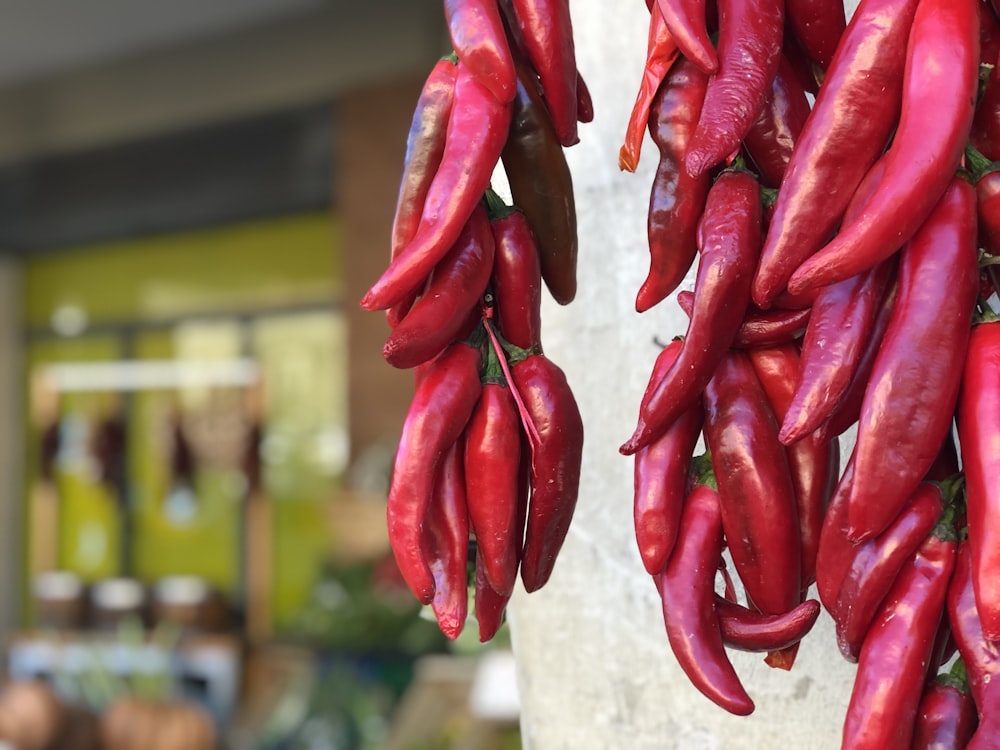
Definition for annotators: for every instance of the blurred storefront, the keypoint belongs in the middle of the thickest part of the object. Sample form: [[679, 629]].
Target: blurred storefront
[[200, 423]]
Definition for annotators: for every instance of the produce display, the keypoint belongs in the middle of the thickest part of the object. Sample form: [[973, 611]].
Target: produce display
[[487, 471], [830, 181]]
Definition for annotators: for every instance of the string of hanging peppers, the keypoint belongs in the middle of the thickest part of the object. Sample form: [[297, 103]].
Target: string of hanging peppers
[[487, 470], [832, 183]]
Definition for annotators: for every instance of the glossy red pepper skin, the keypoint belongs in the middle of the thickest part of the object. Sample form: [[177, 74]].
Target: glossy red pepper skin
[[814, 462], [980, 655], [749, 49], [836, 552], [978, 427], [480, 42], [477, 130], [985, 132], [910, 400], [771, 137], [987, 735], [946, 717], [757, 495], [760, 327], [686, 588], [584, 101], [941, 76], [547, 30], [517, 280], [877, 562], [989, 34], [555, 464], [456, 286], [488, 605], [852, 119], [542, 187], [424, 148], [676, 199], [818, 25], [748, 630], [492, 459], [447, 528], [660, 480], [893, 665], [729, 243], [445, 395], [685, 19]]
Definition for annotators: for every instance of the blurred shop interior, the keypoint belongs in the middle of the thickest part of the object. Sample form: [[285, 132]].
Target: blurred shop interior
[[197, 423]]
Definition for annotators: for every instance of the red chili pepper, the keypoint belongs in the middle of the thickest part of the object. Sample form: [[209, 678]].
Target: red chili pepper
[[989, 34], [836, 552], [978, 428], [687, 590], [987, 735], [986, 178], [492, 461], [477, 131], [424, 148], [447, 528], [853, 116], [946, 716], [661, 52], [676, 200], [760, 327], [455, 288], [877, 562], [749, 48], [729, 242], [442, 403], [480, 42], [517, 277], [771, 137], [980, 654], [584, 102], [685, 19], [756, 491], [542, 187], [882, 711], [813, 461], [819, 25], [547, 30], [488, 605], [805, 70], [661, 479], [941, 76], [910, 398], [555, 463], [748, 630]]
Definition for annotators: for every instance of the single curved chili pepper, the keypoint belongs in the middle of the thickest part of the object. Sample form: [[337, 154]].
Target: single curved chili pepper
[[852, 118], [814, 462], [946, 716], [447, 528], [980, 654], [729, 242], [978, 427], [517, 278], [986, 178], [661, 479], [760, 327], [488, 605], [676, 199], [555, 463], [455, 287], [584, 102], [480, 42], [542, 187], [941, 76], [985, 132], [661, 53], [445, 395], [771, 137], [748, 630], [913, 387], [685, 20], [835, 553], [749, 49], [547, 30], [881, 711], [492, 461], [424, 147], [876, 564], [477, 130], [686, 588], [756, 491], [819, 25], [987, 735]]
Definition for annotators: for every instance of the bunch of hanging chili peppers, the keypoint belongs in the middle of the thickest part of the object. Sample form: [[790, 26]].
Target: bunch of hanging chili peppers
[[834, 185], [487, 470]]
